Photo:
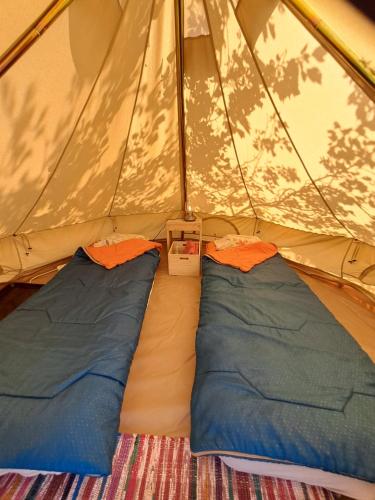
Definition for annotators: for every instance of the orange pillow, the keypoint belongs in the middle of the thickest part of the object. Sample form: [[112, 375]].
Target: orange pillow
[[113, 255], [243, 257]]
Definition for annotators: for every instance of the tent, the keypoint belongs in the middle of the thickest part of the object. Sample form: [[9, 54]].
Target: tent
[[271, 129]]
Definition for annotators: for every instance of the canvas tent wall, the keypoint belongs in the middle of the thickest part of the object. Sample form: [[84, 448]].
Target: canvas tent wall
[[279, 138]]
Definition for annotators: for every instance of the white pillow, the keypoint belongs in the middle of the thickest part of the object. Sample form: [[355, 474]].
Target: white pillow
[[233, 240], [114, 238]]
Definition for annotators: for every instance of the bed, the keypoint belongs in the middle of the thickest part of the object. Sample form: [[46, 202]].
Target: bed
[[65, 356], [280, 387]]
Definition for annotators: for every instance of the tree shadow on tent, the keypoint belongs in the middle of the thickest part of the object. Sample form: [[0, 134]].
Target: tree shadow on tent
[[82, 162], [281, 186]]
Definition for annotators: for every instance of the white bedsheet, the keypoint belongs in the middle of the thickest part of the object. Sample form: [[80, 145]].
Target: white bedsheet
[[27, 472], [355, 488]]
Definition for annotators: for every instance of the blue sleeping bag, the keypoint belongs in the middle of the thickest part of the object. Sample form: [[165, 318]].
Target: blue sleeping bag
[[65, 356], [277, 376]]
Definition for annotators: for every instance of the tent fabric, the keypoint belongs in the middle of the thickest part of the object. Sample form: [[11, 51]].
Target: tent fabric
[[19, 16], [302, 183], [79, 176], [42, 97], [276, 132]]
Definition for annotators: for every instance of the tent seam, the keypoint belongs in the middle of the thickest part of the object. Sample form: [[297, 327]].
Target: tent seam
[[344, 258], [102, 217], [133, 112], [226, 109], [284, 126], [83, 109]]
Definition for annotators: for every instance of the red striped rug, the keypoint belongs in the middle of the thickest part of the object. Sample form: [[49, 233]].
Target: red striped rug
[[158, 468]]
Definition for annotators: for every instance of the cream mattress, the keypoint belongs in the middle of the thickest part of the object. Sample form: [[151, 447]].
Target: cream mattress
[[157, 394]]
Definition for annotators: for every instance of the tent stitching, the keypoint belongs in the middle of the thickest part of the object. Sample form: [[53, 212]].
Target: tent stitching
[[88, 221], [122, 163], [226, 110]]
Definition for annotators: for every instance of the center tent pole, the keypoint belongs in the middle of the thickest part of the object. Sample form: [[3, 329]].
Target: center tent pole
[[179, 28]]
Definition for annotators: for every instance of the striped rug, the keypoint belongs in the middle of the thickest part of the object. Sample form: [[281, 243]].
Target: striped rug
[[158, 468]]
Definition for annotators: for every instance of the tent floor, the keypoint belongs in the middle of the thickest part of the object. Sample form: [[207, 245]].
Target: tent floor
[[157, 395]]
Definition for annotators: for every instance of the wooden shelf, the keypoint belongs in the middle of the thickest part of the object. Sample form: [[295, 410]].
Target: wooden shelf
[[183, 264]]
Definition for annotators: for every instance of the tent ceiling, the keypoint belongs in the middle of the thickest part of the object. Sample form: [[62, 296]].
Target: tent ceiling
[[275, 128]]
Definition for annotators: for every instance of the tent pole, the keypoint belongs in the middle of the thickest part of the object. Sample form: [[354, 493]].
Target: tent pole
[[179, 29], [363, 75], [33, 32]]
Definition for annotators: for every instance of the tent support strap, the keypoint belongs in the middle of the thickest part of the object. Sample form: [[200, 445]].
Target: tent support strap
[[179, 30], [33, 32]]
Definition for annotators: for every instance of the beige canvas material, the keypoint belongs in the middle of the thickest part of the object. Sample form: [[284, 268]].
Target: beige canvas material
[[195, 23], [149, 179], [36, 249], [259, 11], [27, 251], [297, 175], [91, 145], [264, 151], [334, 140], [333, 255], [213, 179], [42, 97], [85, 179]]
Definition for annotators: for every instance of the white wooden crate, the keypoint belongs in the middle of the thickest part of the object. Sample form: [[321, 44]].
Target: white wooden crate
[[183, 264]]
